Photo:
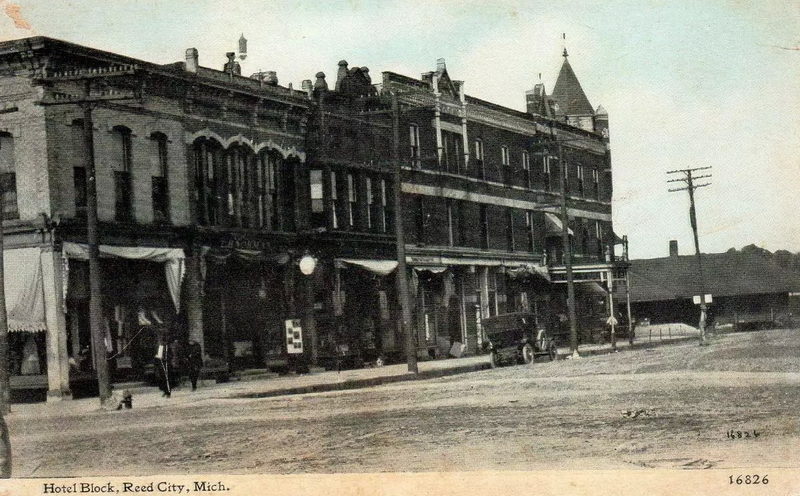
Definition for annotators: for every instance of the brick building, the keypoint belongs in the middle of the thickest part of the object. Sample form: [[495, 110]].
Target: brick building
[[212, 187]]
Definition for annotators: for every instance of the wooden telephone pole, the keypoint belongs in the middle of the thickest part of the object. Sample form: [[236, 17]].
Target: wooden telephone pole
[[87, 98], [689, 179]]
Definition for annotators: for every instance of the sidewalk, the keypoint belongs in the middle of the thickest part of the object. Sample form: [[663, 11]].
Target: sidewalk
[[302, 384]]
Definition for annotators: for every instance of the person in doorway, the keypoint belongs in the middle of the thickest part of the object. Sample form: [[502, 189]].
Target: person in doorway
[[194, 362]]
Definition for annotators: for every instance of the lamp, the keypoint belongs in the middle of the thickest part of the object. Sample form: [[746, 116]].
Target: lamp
[[307, 264]]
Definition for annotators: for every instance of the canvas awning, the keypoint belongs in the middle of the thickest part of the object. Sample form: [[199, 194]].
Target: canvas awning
[[522, 270], [221, 255], [172, 258], [554, 225], [24, 290], [434, 269], [380, 267]]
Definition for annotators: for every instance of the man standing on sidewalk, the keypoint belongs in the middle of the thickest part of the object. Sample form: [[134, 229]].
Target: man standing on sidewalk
[[194, 362]]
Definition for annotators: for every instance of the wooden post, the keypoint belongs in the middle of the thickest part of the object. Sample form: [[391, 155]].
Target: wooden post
[[5, 386]]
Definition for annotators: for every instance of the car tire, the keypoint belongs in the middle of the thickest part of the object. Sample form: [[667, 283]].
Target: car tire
[[493, 360], [552, 351], [527, 354]]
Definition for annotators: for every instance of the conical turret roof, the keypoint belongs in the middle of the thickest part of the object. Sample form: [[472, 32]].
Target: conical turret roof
[[569, 94]]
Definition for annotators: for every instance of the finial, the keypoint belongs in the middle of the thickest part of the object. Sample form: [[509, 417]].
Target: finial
[[565, 54], [564, 44]]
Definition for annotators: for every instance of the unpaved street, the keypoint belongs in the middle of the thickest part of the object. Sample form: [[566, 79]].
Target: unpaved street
[[668, 407]]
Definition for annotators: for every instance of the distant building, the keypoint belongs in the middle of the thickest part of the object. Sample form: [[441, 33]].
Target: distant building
[[747, 289]]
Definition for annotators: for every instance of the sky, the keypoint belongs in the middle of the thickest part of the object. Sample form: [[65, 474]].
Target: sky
[[708, 83]]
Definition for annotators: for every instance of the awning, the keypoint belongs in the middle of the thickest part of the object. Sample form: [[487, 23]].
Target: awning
[[172, 258], [517, 271], [434, 269], [24, 290], [554, 225], [380, 267], [221, 255]]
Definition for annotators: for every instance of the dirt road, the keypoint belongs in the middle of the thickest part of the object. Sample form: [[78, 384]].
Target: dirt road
[[672, 406]]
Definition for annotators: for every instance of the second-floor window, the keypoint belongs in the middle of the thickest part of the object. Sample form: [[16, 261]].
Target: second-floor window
[[478, 158], [351, 200], [368, 187], [526, 167], [317, 204], [160, 181], [531, 230], [8, 177], [546, 173], [596, 184], [123, 187], [504, 158], [580, 180], [413, 131], [334, 201], [565, 169]]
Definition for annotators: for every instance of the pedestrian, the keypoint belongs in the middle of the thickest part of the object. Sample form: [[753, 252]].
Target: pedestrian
[[176, 362], [162, 365], [194, 361]]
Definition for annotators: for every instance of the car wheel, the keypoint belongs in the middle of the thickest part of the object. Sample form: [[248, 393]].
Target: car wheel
[[552, 351], [527, 354], [493, 360]]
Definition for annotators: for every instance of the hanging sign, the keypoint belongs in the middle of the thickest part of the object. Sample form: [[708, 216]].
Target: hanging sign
[[294, 336]]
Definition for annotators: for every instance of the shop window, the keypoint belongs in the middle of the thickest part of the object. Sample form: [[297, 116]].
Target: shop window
[[317, 203], [160, 181], [415, 155], [123, 183]]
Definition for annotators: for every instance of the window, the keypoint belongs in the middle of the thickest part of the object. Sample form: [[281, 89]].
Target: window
[[484, 227], [580, 180], [546, 171], [526, 167], [8, 177], [272, 202], [504, 155], [479, 159], [510, 229], [450, 237], [368, 185], [351, 200], [565, 168], [123, 188], [79, 186], [530, 226], [596, 183], [317, 204], [160, 181], [598, 234], [414, 140], [452, 158], [383, 219], [335, 200]]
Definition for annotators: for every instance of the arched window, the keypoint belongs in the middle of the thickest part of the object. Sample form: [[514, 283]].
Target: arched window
[[8, 177], [208, 185], [159, 177], [123, 183], [268, 199]]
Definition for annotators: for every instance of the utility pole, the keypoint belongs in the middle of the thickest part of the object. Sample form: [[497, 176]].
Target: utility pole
[[567, 247], [400, 275], [688, 178], [5, 386], [87, 100]]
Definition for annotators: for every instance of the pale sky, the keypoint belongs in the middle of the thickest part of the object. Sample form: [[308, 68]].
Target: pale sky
[[686, 83]]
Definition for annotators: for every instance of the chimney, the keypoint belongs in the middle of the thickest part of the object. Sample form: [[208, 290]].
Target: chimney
[[192, 59], [307, 86], [440, 65], [673, 248], [320, 85], [341, 74]]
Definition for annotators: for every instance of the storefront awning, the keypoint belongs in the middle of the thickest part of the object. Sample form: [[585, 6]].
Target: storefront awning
[[221, 255], [24, 290], [172, 258], [517, 271], [554, 225], [380, 267], [434, 269]]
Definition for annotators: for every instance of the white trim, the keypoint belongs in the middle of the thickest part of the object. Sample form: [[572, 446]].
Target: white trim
[[420, 189], [240, 139], [448, 126]]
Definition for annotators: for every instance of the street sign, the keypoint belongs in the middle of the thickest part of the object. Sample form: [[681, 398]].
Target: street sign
[[294, 336], [697, 299]]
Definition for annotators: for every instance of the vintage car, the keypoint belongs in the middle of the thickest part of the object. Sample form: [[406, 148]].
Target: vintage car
[[516, 338]]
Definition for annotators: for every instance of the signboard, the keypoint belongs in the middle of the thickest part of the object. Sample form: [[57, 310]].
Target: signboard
[[696, 299], [294, 336]]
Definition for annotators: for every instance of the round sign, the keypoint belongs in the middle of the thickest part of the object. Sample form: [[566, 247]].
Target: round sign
[[307, 265]]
